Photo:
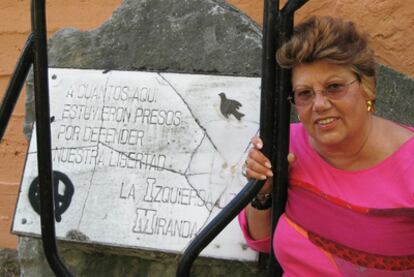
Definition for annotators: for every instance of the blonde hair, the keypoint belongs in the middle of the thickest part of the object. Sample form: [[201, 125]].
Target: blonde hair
[[332, 40]]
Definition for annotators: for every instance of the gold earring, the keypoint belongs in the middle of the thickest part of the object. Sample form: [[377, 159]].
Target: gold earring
[[370, 106], [299, 117]]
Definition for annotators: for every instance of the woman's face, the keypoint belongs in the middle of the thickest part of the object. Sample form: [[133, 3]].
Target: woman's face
[[331, 122]]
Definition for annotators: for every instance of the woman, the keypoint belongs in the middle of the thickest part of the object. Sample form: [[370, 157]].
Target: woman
[[350, 208]]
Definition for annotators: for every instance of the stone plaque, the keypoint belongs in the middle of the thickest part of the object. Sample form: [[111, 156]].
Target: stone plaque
[[144, 160]]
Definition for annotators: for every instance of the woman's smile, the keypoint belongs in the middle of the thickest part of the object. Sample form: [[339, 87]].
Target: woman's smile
[[327, 123]]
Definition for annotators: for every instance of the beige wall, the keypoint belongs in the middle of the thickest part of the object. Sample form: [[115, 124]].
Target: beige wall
[[387, 22]]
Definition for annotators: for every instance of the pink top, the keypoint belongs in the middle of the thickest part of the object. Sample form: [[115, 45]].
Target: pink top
[[387, 185]]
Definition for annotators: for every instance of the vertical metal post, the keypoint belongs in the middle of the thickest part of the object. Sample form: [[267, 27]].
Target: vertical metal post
[[268, 81], [44, 160], [281, 146], [270, 72], [281, 124]]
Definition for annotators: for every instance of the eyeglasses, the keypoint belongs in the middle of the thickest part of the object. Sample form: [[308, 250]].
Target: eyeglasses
[[305, 96]]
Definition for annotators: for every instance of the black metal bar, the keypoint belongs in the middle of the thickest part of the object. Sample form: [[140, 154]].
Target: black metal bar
[[218, 223], [281, 128], [15, 85], [281, 142], [292, 6], [268, 97], [44, 161], [268, 81]]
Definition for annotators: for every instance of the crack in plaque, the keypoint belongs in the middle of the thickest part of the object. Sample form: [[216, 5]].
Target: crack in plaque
[[191, 111], [185, 174], [193, 154], [224, 190], [247, 148], [143, 163], [198, 173], [65, 148], [214, 205], [89, 189], [97, 149], [244, 120], [212, 143], [188, 168], [210, 214], [250, 143], [195, 150], [211, 211], [226, 187]]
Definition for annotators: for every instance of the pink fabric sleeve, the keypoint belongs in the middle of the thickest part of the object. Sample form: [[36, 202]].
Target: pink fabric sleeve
[[262, 245]]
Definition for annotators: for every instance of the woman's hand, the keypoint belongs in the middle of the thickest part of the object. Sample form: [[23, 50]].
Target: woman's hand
[[258, 166]]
